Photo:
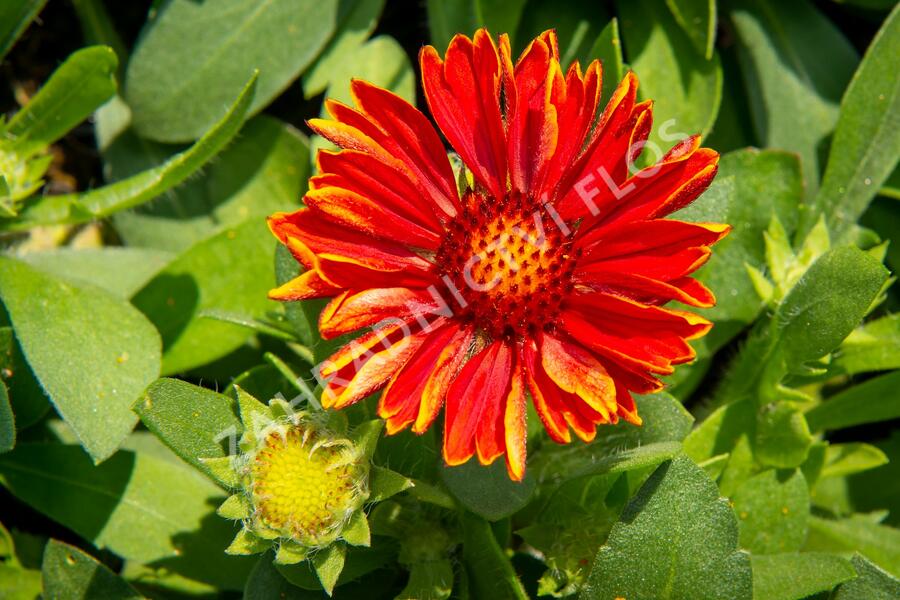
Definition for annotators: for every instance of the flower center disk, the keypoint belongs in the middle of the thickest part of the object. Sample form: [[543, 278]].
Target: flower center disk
[[508, 264], [302, 489]]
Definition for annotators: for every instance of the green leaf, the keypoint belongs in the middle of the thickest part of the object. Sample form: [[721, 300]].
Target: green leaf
[[698, 20], [827, 303], [487, 490], [685, 87], [357, 562], [431, 580], [850, 458], [782, 436], [675, 539], [70, 574], [204, 278], [245, 543], [357, 20], [141, 507], [17, 583], [384, 483], [82, 83], [772, 510], [356, 531], [873, 347], [15, 16], [119, 271], [194, 422], [876, 542], [135, 190], [490, 573], [266, 583], [328, 564], [623, 445], [263, 171], [91, 373], [866, 141], [871, 583], [446, 18], [177, 80], [365, 436], [796, 64], [795, 575], [7, 422], [608, 48], [26, 397], [236, 507]]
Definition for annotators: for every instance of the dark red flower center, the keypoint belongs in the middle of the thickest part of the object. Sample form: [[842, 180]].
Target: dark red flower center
[[507, 263]]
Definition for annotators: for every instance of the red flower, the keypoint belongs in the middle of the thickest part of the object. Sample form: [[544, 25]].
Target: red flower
[[543, 271]]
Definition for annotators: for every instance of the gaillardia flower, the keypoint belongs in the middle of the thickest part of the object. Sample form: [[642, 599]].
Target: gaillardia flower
[[542, 268]]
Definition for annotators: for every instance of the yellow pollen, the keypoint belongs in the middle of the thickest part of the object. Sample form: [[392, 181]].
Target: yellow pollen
[[301, 488]]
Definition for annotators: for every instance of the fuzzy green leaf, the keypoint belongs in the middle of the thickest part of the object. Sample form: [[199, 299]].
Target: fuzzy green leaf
[[194, 422], [88, 372], [608, 48], [178, 80], [858, 533], [685, 86], [143, 508], [698, 20], [866, 142], [328, 564], [120, 271], [871, 583], [70, 574], [432, 580], [139, 188], [487, 490], [82, 83], [262, 171], [236, 507], [872, 401], [772, 509], [357, 19], [203, 278], [15, 16], [7, 421], [675, 539], [798, 575], [873, 347], [795, 63], [827, 303], [246, 543], [356, 531], [491, 575], [290, 553], [384, 483]]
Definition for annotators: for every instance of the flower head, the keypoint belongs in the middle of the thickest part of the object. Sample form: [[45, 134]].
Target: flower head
[[542, 268]]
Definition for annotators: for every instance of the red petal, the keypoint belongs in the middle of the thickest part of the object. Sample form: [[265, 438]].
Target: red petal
[[576, 371], [347, 258], [685, 290], [354, 310], [370, 177], [533, 131], [411, 136], [626, 313], [463, 94], [308, 285], [657, 236], [545, 395], [445, 369], [402, 400], [477, 393], [660, 264], [365, 365]]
